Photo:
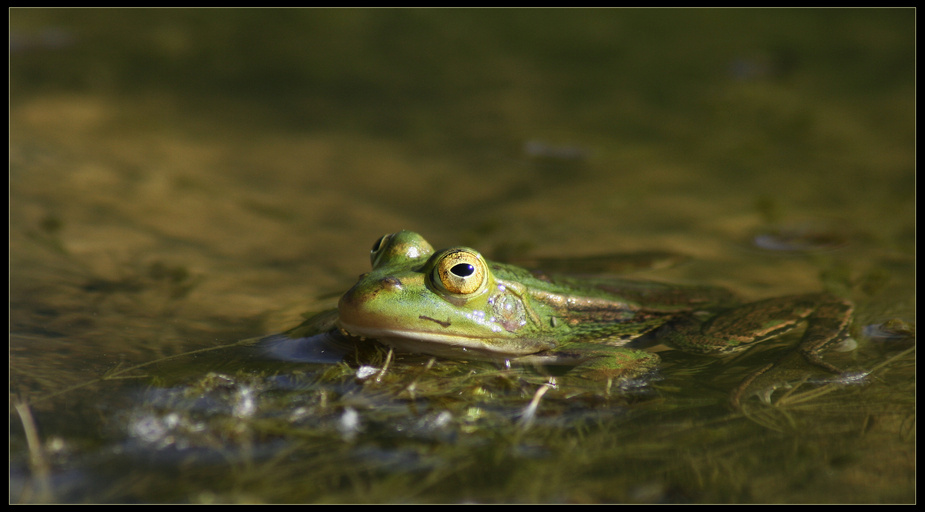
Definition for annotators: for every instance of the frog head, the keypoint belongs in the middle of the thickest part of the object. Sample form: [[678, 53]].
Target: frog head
[[441, 303]]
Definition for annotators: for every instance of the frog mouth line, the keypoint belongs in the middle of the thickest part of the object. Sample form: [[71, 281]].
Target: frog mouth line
[[429, 342]]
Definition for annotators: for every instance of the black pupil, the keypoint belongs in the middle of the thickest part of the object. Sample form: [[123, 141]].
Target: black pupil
[[462, 269]]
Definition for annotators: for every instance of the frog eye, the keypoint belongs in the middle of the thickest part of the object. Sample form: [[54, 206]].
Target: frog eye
[[460, 271], [378, 248], [399, 247]]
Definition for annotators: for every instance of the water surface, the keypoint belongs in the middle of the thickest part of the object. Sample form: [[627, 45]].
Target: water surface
[[183, 179]]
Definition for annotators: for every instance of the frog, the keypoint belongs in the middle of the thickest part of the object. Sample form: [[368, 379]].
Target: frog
[[455, 303]]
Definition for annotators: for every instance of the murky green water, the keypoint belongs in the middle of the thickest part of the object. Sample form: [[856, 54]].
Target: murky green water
[[182, 179]]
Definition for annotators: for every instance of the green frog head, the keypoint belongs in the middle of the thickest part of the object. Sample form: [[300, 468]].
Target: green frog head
[[439, 303]]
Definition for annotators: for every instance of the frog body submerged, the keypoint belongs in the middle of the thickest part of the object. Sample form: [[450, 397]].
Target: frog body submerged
[[454, 303]]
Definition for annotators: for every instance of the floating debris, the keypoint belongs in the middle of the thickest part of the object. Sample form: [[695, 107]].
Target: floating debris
[[349, 424], [801, 237], [364, 372]]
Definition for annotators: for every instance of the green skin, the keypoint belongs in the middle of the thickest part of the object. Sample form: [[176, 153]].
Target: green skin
[[456, 304]]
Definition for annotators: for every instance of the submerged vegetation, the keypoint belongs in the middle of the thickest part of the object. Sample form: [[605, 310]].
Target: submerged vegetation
[[355, 431]]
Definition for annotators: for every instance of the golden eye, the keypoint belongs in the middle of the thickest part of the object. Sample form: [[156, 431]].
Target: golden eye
[[460, 271]]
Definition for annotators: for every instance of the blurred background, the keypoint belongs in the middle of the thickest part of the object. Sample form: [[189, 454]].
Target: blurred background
[[181, 178]]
